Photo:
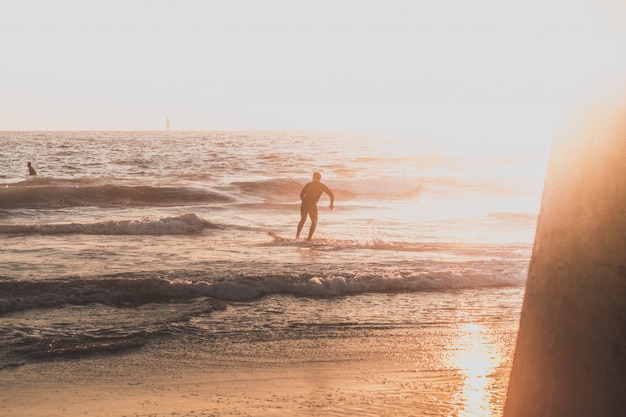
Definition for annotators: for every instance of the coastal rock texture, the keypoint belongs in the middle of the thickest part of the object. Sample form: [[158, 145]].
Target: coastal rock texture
[[570, 358]]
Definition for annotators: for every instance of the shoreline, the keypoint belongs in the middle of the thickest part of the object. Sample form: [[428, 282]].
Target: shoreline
[[376, 375]]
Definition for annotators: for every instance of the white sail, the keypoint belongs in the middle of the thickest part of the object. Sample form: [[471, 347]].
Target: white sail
[[167, 123]]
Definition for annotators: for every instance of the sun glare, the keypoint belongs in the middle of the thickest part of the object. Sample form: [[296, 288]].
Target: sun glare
[[473, 353]]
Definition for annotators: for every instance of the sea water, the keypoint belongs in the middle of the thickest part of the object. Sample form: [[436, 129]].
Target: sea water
[[136, 241]]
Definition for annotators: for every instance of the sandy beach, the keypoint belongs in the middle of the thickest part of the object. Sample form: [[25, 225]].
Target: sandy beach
[[420, 372], [278, 391]]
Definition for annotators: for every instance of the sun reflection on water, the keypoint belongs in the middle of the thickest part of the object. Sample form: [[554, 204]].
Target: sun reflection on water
[[476, 357]]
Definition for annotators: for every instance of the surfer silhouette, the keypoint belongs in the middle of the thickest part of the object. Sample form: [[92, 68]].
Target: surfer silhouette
[[310, 195], [31, 170]]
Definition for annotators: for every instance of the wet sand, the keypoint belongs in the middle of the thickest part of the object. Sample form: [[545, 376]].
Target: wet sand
[[324, 390], [423, 372]]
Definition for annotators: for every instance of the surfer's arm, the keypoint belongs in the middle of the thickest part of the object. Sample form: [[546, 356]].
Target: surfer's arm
[[331, 195]]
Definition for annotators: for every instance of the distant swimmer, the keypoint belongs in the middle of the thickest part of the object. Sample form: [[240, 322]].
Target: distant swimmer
[[31, 170], [310, 195]]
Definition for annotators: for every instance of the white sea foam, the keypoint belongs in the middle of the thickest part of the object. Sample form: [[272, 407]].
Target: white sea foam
[[127, 289]]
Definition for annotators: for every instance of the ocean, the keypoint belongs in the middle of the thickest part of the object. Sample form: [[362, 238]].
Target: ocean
[[182, 243]]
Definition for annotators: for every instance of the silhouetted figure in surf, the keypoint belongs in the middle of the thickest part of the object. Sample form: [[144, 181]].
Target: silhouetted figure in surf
[[310, 195], [31, 170]]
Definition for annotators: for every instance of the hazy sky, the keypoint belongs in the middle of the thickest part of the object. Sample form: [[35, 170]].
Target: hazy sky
[[482, 68]]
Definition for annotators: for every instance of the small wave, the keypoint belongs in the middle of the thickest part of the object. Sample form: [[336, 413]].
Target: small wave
[[100, 330], [271, 187], [131, 290], [386, 187], [54, 347], [183, 224], [48, 193], [123, 292], [476, 250]]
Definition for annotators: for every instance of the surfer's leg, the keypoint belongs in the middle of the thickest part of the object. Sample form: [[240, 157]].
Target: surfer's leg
[[312, 229], [303, 215], [313, 215]]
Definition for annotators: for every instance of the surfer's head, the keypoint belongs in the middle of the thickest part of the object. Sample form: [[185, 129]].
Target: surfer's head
[[317, 176]]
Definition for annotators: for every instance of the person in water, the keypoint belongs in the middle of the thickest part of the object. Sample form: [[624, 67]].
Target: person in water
[[31, 170], [310, 195]]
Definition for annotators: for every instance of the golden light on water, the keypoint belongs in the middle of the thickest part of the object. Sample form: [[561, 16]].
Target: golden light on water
[[476, 357]]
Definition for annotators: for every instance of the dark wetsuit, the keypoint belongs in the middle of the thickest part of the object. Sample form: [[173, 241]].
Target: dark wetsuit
[[310, 195]]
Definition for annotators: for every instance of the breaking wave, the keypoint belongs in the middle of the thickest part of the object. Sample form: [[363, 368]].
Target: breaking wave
[[51, 193], [386, 187], [131, 290], [183, 224]]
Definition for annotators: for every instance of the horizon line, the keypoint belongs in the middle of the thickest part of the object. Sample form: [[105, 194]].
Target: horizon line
[[186, 130]]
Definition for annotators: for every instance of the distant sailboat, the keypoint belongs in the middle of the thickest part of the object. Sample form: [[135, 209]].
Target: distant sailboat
[[167, 123]]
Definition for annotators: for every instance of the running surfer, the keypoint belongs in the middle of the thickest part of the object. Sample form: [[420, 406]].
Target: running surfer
[[310, 195]]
